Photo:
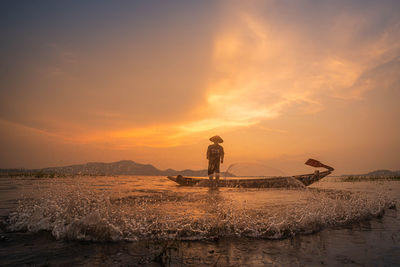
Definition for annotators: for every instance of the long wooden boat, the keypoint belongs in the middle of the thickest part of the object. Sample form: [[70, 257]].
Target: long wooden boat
[[271, 182]]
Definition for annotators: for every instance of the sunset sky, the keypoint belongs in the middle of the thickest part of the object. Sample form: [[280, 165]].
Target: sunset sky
[[151, 81]]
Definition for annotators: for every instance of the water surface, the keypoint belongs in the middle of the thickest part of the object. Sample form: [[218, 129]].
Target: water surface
[[131, 220]]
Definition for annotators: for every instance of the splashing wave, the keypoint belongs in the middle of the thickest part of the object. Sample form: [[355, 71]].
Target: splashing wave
[[81, 214]]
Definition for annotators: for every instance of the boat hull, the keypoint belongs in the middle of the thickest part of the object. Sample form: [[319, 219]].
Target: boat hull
[[273, 182]]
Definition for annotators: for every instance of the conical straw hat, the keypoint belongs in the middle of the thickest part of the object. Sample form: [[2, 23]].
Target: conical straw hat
[[216, 139]]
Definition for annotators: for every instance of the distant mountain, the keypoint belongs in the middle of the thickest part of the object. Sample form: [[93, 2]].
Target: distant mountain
[[123, 167], [383, 173], [378, 173]]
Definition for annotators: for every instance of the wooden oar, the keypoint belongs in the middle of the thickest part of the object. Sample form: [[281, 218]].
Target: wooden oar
[[315, 163]]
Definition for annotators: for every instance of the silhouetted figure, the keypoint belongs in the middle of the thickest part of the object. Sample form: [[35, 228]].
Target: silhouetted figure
[[215, 156]]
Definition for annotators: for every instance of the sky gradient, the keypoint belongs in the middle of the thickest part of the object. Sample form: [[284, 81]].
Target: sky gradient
[[151, 81]]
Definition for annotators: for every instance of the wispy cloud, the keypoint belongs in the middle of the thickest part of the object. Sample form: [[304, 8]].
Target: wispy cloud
[[261, 65]]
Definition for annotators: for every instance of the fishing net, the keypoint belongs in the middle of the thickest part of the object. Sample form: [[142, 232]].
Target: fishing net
[[252, 169]]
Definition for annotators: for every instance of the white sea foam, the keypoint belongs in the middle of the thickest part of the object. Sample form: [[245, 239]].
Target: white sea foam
[[72, 212]]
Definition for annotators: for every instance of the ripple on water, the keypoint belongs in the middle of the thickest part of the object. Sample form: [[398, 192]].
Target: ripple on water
[[80, 212]]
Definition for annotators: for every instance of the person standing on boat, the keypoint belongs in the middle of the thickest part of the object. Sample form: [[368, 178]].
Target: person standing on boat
[[215, 156]]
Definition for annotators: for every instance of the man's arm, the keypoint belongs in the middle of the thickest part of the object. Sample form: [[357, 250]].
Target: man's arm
[[208, 152], [222, 154]]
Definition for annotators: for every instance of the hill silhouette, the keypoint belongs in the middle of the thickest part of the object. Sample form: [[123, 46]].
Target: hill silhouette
[[378, 173], [382, 173], [123, 167]]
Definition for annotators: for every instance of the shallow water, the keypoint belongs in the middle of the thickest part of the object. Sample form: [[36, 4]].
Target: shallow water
[[129, 220]]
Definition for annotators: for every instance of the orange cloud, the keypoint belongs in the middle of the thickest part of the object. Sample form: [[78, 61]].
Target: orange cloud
[[258, 72], [260, 68]]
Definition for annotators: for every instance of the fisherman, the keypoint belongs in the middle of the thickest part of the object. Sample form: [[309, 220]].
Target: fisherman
[[215, 156]]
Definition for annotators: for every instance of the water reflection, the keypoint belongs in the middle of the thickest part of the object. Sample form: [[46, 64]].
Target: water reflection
[[229, 226]]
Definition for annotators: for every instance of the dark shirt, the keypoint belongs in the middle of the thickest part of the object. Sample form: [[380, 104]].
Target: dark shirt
[[215, 151]]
